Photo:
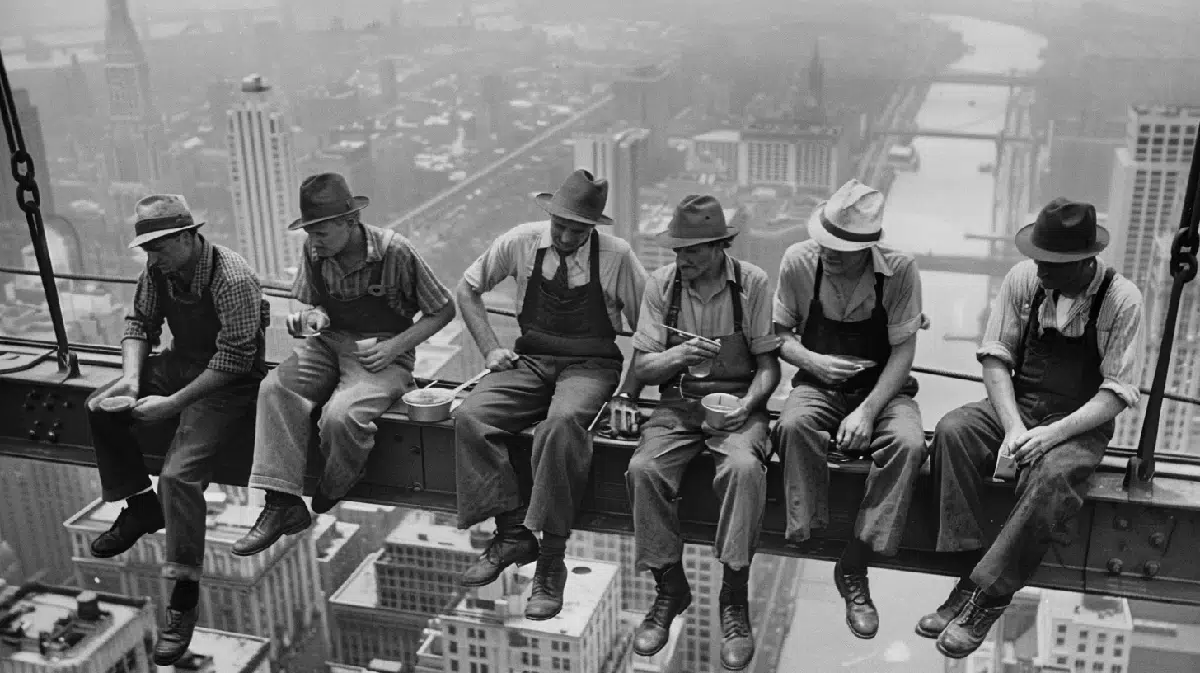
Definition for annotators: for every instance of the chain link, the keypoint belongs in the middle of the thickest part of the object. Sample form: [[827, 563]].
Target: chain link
[[1183, 254], [29, 196]]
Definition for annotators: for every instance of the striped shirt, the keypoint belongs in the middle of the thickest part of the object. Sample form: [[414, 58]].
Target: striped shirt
[[710, 316], [1119, 332], [243, 312], [409, 284], [622, 276]]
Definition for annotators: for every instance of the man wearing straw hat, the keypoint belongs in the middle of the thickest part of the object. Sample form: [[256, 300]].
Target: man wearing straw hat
[[724, 306], [848, 311], [365, 285], [206, 380], [1060, 355], [573, 285]]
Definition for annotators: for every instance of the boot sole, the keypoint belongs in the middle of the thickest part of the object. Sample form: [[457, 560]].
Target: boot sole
[[932, 635], [275, 538], [540, 618], [860, 636], [172, 661], [963, 655], [495, 577], [96, 554], [742, 668], [651, 653]]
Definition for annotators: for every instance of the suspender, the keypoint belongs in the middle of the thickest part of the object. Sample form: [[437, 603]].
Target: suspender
[[672, 318], [1035, 309]]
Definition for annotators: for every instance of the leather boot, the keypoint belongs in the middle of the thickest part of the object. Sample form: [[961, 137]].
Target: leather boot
[[966, 632], [673, 597], [283, 515], [142, 515], [176, 636], [503, 550], [737, 646], [549, 582], [861, 615], [932, 624], [322, 503]]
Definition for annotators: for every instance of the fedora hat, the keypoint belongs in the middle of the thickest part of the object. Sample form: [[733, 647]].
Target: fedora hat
[[325, 196], [852, 219], [581, 198], [160, 215], [1065, 231], [698, 219]]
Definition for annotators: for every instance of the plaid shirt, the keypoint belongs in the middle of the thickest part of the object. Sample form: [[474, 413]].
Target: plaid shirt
[[409, 283], [243, 312]]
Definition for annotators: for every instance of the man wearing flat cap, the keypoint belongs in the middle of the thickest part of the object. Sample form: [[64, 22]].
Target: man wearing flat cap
[[207, 379], [573, 285], [1060, 361], [726, 304], [365, 285], [848, 310]]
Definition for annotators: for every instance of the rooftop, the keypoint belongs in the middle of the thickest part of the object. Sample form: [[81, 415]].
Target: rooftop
[[420, 528], [1088, 610], [361, 590], [227, 523], [230, 652], [56, 611], [331, 535]]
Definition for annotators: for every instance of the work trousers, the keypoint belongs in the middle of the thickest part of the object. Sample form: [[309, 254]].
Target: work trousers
[[811, 415], [1049, 495], [322, 372], [564, 394], [203, 428], [671, 438]]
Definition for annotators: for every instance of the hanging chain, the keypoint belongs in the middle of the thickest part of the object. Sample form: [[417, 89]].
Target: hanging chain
[[29, 198]]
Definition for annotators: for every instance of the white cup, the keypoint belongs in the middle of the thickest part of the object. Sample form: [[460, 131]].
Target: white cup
[[364, 344]]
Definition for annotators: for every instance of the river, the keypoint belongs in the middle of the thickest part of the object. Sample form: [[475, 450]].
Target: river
[[928, 211]]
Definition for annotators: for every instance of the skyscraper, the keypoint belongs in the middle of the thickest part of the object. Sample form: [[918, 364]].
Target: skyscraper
[[38, 497], [620, 158], [35, 144], [264, 180], [135, 127]]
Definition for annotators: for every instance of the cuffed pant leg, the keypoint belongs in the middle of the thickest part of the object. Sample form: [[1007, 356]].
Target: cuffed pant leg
[[118, 455], [963, 451], [671, 438], [741, 486], [898, 451], [802, 436]]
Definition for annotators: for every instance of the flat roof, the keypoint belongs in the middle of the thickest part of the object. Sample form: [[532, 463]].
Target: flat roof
[[421, 528], [1084, 610], [44, 606], [230, 652], [361, 589], [225, 527]]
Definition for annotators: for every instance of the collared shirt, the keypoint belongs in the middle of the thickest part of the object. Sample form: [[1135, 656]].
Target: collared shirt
[[622, 276], [1119, 332], [710, 316], [409, 284], [901, 291], [236, 295]]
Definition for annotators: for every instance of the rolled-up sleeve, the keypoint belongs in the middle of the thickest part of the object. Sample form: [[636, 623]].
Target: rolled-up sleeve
[[418, 286], [302, 288], [1122, 345], [902, 300], [238, 300], [1002, 336], [651, 336], [759, 330], [145, 321], [631, 284], [786, 308], [498, 262]]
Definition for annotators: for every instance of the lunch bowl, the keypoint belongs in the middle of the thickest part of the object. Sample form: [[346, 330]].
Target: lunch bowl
[[718, 406], [428, 405], [118, 403]]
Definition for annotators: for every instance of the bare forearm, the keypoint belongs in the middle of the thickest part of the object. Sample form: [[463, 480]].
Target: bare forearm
[[209, 381], [997, 379], [425, 328], [893, 377], [791, 350], [474, 314], [656, 368], [133, 356], [1102, 408], [766, 380], [632, 384]]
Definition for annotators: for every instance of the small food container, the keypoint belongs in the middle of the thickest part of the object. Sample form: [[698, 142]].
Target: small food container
[[428, 405], [1006, 467], [117, 404], [717, 406], [364, 344]]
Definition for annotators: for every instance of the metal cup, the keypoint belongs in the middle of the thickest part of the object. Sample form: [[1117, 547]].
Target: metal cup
[[701, 370]]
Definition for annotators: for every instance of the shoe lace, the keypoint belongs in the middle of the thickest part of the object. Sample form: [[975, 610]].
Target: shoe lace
[[735, 621], [661, 610], [955, 600], [543, 580], [976, 617], [495, 549], [858, 588], [174, 619]]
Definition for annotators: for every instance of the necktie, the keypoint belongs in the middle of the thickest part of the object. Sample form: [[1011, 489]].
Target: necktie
[[560, 276]]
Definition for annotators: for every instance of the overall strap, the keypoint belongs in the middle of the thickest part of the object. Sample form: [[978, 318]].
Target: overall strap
[[1101, 293], [594, 261], [735, 291], [1033, 325], [672, 319]]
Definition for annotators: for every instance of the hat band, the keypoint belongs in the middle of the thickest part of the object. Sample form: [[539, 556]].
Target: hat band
[[316, 211], [156, 224], [1063, 241], [849, 235], [595, 217]]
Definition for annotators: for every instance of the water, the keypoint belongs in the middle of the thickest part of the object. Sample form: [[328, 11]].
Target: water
[[927, 211]]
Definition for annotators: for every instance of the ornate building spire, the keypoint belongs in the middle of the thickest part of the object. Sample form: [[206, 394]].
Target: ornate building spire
[[135, 126]]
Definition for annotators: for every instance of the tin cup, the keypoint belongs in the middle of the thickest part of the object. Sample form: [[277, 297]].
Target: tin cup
[[718, 406], [364, 344]]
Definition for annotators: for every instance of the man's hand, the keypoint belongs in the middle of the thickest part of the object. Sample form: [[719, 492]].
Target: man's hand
[[501, 359], [306, 321], [1008, 444], [1034, 442], [122, 388], [156, 408], [695, 351], [736, 418], [855, 432], [831, 369], [382, 355], [623, 416]]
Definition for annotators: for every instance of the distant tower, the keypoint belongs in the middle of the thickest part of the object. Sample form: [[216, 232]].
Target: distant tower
[[816, 78], [263, 179], [135, 126]]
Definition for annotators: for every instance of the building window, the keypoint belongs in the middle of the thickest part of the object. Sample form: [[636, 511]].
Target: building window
[[1062, 628], [1099, 651], [1117, 651], [1118, 668], [1062, 661], [454, 666], [1098, 667], [1083, 634], [1120, 640], [1060, 642], [1081, 647]]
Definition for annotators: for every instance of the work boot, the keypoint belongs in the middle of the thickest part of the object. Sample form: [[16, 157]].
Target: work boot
[[966, 632], [861, 615], [549, 581], [284, 514], [174, 639], [142, 515], [932, 624], [503, 550], [737, 647], [674, 596]]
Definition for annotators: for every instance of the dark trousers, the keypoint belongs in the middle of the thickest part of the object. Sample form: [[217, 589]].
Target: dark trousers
[[188, 465], [1049, 495], [809, 417], [564, 394]]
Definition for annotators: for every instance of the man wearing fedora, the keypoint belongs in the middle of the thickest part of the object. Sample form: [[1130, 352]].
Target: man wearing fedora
[[365, 285], [573, 285], [1060, 360], [726, 302], [848, 311], [207, 379]]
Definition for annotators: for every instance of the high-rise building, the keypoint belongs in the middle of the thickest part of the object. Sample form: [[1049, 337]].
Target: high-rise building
[[222, 652], [388, 88], [46, 629], [38, 497], [1083, 632], [1148, 175], [274, 595], [620, 158], [12, 218], [1166, 637], [264, 180], [135, 126], [799, 156]]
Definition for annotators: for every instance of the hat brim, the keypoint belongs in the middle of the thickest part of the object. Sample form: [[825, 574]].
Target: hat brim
[[666, 240], [155, 235], [821, 235], [1025, 245], [545, 203], [360, 202]]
